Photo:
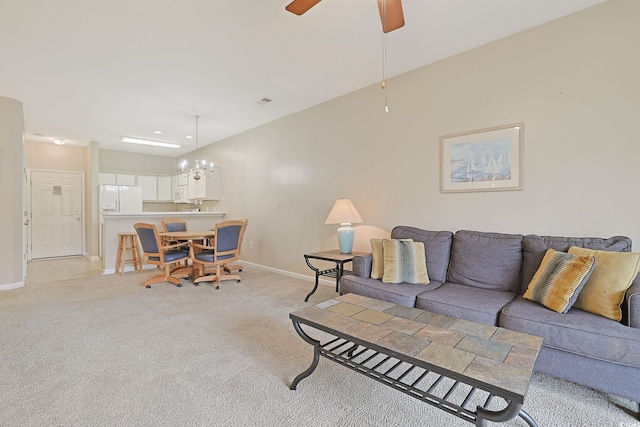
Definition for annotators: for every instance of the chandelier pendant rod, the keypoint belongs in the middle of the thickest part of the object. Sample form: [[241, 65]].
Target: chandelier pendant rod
[[384, 56]]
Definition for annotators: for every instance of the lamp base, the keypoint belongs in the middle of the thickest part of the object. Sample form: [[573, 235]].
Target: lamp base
[[345, 238]]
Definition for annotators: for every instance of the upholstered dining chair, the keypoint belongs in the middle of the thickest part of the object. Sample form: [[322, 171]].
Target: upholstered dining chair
[[211, 259], [165, 256], [175, 224]]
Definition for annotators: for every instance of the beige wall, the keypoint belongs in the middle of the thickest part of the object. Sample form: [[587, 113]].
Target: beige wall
[[91, 201], [11, 193], [46, 155], [573, 82], [119, 161]]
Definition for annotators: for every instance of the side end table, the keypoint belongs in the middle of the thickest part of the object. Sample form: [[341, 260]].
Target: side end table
[[338, 271]]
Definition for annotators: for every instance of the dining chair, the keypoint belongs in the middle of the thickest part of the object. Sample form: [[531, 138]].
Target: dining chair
[[226, 247], [175, 224], [165, 256]]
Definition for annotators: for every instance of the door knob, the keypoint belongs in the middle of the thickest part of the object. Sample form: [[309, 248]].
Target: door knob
[[26, 223]]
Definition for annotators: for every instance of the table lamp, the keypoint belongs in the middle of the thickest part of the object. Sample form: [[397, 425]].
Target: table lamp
[[345, 214]]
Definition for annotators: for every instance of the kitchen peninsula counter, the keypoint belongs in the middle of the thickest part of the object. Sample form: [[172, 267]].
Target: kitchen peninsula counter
[[113, 223]]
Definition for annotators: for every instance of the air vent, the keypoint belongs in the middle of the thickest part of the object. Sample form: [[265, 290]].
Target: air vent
[[264, 101]]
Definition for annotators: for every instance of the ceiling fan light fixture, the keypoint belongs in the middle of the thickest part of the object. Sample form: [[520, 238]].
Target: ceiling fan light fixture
[[140, 141]]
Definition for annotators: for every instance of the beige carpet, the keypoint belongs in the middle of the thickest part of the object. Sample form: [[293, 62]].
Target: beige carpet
[[105, 351]]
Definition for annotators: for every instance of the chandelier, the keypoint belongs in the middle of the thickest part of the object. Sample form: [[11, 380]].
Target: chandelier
[[199, 168]]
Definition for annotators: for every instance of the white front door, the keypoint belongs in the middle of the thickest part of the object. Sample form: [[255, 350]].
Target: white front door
[[56, 214]]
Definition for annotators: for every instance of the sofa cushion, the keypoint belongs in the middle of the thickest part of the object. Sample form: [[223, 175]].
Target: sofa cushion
[[465, 302], [534, 248], [404, 262], [437, 248], [604, 291], [559, 280], [576, 332], [401, 294], [486, 260]]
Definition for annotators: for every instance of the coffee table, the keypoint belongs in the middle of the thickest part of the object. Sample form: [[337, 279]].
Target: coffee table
[[474, 371]]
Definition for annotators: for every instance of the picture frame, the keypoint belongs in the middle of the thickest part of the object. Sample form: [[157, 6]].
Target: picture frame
[[483, 160]]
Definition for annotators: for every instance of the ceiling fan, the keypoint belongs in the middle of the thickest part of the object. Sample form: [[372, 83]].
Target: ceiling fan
[[390, 12]]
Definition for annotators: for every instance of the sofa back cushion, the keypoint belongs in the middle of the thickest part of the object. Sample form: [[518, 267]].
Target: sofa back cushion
[[486, 260], [536, 246], [437, 248]]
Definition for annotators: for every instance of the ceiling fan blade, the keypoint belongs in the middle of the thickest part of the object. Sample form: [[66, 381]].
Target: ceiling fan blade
[[393, 18], [301, 6]]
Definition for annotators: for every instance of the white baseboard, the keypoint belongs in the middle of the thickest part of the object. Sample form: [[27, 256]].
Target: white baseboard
[[11, 286], [330, 282], [128, 268]]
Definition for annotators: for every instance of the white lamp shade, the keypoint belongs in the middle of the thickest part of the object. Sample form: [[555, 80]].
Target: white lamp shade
[[343, 212]]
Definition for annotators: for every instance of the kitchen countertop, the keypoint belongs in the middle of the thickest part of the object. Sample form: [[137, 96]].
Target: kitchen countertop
[[160, 214]]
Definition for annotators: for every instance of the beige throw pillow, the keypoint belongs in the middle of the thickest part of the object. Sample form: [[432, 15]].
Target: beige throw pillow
[[377, 258], [404, 262], [377, 261]]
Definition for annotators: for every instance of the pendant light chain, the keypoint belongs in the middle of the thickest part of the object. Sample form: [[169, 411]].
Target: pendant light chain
[[384, 55]]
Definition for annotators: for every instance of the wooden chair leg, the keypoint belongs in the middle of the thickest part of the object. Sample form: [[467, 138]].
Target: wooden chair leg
[[119, 255]]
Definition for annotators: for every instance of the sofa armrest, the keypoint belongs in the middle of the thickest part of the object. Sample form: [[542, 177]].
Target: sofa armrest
[[362, 265], [631, 312]]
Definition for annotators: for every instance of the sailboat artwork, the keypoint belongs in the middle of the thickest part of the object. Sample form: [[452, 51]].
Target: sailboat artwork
[[484, 160], [481, 161]]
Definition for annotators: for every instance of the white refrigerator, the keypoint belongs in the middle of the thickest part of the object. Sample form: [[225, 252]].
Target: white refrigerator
[[119, 198]]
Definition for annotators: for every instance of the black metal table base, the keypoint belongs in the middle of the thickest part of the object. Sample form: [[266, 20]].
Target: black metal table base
[[450, 394], [336, 272]]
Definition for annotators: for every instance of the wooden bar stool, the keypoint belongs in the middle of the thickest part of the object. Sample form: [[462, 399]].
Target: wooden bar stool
[[128, 244]]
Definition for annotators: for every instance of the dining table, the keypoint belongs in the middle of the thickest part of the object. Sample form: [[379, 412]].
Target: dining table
[[190, 236], [187, 235]]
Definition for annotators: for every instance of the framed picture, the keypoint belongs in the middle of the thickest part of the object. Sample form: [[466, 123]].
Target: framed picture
[[482, 160]]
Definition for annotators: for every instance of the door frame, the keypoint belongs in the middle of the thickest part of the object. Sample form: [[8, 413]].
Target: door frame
[[82, 208]]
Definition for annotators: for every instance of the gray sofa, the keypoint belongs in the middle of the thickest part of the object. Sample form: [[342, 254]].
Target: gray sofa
[[482, 276]]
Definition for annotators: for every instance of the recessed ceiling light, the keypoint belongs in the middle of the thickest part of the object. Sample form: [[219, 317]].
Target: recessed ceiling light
[[189, 137], [59, 141], [149, 142], [157, 132]]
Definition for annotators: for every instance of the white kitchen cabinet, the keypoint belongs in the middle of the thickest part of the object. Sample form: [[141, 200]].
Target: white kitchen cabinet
[[182, 179], [208, 187], [164, 189], [125, 179], [105, 178], [149, 184], [197, 189]]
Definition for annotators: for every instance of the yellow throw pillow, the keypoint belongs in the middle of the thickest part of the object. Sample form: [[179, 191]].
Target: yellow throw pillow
[[559, 279], [404, 262], [613, 274], [377, 262]]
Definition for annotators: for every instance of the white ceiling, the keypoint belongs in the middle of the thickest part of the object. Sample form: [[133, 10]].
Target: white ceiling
[[94, 70]]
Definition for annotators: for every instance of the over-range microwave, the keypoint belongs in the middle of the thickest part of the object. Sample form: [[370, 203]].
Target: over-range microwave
[[181, 194]]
